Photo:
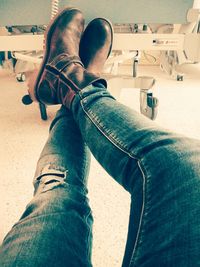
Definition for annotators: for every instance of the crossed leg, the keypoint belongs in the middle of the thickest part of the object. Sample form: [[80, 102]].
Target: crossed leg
[[56, 227], [161, 171]]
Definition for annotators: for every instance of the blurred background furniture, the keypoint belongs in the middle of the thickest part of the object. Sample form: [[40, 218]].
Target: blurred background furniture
[[138, 25]]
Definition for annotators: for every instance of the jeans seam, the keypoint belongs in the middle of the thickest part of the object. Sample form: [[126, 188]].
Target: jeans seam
[[111, 139], [141, 168], [138, 235]]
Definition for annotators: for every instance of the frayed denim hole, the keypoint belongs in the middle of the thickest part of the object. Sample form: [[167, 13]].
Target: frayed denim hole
[[49, 180]]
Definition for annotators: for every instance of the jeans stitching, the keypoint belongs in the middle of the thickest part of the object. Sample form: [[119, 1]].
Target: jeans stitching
[[138, 236], [110, 138], [119, 146]]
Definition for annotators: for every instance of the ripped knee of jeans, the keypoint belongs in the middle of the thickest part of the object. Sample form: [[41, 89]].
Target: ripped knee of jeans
[[50, 178]]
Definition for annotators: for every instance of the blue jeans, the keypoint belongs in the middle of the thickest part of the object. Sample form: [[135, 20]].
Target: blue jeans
[[160, 170]]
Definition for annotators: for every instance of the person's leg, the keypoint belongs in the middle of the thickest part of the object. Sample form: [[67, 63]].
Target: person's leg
[[160, 169], [56, 227]]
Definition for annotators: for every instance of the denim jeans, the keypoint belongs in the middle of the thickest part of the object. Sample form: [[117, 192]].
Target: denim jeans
[[160, 170], [56, 227]]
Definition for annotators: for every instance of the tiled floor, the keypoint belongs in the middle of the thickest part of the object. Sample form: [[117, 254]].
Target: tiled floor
[[23, 134]]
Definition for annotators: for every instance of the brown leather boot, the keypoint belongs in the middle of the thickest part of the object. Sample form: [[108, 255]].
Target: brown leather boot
[[62, 73], [62, 40], [96, 44]]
